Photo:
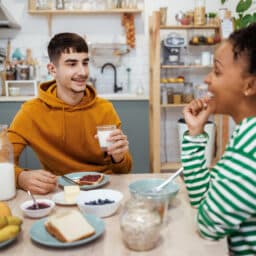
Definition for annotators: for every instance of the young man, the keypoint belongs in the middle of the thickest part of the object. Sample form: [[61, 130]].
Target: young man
[[226, 195], [60, 125]]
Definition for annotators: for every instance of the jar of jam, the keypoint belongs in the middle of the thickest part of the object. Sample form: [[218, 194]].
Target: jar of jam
[[140, 224]]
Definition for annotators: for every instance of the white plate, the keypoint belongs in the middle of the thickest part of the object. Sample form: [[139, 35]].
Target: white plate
[[59, 198]]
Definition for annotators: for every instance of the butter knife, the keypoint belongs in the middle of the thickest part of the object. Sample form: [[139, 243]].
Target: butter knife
[[69, 179]]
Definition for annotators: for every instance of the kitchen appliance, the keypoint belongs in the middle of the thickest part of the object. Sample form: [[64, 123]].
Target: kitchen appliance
[[172, 47]]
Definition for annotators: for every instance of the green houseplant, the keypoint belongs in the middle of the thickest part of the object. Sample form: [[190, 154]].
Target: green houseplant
[[245, 13]]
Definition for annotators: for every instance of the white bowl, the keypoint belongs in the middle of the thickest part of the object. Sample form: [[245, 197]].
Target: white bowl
[[37, 213], [103, 210]]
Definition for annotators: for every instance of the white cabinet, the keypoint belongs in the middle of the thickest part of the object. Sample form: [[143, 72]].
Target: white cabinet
[[21, 88]]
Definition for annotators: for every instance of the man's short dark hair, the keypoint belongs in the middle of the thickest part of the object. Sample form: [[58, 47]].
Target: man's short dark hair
[[65, 43]]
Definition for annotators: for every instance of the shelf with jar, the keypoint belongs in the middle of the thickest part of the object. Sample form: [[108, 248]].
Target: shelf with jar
[[168, 63], [83, 6], [127, 8]]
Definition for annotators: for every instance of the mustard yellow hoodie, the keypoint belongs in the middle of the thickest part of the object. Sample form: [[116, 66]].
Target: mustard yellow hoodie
[[62, 136]]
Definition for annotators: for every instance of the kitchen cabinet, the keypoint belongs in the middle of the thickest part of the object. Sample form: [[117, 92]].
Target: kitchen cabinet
[[133, 114], [164, 116]]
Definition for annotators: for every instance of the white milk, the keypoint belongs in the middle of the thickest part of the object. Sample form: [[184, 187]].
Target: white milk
[[103, 136], [7, 181]]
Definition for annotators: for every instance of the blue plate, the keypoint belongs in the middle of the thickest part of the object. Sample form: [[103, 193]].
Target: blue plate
[[77, 175], [7, 242], [39, 234]]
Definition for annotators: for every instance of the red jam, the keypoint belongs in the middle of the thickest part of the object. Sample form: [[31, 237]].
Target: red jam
[[40, 206]]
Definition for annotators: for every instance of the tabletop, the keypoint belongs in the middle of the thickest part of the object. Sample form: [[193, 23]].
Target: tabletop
[[178, 238]]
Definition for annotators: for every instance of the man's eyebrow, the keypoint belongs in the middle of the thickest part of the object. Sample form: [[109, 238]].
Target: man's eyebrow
[[75, 60]]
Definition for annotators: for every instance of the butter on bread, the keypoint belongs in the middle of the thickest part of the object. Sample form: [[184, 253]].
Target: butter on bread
[[69, 226], [71, 193]]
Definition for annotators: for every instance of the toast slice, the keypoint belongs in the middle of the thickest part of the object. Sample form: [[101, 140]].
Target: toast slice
[[90, 179], [69, 226]]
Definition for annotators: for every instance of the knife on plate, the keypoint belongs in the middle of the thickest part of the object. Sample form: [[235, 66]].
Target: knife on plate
[[69, 179]]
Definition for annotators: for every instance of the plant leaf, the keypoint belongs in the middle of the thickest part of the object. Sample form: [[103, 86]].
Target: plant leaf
[[223, 1], [243, 5], [246, 20]]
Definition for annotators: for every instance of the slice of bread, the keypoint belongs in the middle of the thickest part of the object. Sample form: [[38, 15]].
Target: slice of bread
[[90, 179], [69, 226]]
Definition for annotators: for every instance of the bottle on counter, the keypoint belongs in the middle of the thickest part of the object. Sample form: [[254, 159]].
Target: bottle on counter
[[7, 175]]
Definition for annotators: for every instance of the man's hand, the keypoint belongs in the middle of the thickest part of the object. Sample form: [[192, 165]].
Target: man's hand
[[120, 145], [37, 181], [196, 114]]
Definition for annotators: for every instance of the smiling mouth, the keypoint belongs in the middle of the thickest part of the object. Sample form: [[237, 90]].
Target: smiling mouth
[[209, 94]]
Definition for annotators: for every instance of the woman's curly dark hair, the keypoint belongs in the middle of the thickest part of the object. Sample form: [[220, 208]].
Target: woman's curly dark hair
[[244, 44]]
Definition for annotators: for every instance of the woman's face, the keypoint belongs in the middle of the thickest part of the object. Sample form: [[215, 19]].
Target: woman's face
[[226, 81]]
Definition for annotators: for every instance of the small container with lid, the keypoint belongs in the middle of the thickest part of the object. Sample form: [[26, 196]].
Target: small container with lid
[[199, 12], [140, 224], [188, 94]]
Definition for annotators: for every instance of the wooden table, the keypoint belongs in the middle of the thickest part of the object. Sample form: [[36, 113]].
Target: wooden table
[[178, 238]]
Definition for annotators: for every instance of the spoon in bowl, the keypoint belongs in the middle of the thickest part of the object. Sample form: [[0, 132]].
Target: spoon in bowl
[[34, 200], [162, 185]]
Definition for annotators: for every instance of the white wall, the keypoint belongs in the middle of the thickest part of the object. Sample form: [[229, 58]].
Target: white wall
[[98, 28]]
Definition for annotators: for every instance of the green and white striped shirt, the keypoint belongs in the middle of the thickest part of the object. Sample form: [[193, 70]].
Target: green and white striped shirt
[[226, 195]]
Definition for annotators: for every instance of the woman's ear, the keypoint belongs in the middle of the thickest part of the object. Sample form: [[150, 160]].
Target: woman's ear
[[250, 87], [51, 69]]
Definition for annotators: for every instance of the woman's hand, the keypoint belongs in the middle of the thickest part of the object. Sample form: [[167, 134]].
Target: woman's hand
[[37, 181], [196, 114]]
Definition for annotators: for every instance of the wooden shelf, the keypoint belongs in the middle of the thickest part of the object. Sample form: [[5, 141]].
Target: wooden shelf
[[156, 108], [83, 12], [189, 27], [51, 12], [185, 66], [173, 105], [170, 166]]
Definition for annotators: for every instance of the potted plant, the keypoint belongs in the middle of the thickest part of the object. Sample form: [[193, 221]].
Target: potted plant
[[245, 13]]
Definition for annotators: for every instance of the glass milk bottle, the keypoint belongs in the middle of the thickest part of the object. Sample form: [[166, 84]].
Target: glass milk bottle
[[7, 176]]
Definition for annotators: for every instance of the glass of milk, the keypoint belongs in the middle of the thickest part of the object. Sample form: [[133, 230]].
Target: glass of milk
[[103, 133]]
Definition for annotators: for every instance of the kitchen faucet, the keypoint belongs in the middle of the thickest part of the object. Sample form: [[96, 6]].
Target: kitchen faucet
[[116, 88]]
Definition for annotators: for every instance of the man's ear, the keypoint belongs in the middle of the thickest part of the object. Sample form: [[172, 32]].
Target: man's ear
[[250, 87], [51, 69]]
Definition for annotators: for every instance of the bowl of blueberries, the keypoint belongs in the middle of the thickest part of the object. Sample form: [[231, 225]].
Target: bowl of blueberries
[[99, 202]]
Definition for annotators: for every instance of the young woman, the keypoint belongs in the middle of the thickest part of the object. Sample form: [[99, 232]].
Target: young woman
[[226, 195]]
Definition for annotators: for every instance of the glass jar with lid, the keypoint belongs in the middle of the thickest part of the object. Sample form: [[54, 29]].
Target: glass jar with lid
[[188, 94], [140, 224], [199, 12]]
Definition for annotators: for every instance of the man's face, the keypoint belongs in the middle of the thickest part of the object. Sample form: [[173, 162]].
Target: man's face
[[71, 72]]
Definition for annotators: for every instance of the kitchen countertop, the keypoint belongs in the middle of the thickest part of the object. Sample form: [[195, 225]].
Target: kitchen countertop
[[124, 97]]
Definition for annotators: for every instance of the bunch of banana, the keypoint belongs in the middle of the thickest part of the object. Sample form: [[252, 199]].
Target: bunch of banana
[[9, 225]]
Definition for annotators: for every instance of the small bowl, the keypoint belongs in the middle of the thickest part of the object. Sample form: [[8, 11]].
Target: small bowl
[[141, 188], [37, 213], [14, 91], [100, 210]]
